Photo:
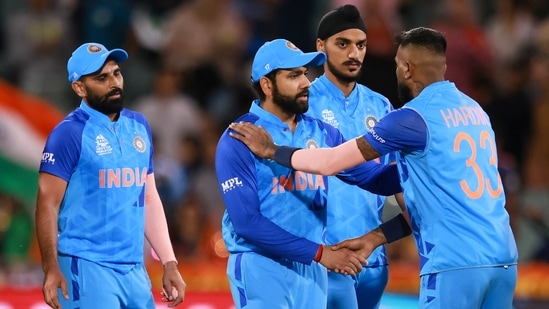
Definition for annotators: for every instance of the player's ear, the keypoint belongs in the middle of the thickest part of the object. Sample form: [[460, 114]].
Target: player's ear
[[266, 85], [78, 88], [409, 69], [320, 45]]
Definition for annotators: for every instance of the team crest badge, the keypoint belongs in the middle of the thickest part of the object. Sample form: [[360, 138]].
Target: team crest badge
[[311, 144], [370, 121], [92, 48], [291, 45], [139, 144]]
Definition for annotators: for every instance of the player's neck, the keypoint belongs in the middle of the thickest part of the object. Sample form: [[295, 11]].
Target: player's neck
[[346, 87]]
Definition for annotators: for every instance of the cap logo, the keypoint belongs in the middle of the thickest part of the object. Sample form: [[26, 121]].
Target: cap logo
[[267, 67], [291, 45], [92, 48]]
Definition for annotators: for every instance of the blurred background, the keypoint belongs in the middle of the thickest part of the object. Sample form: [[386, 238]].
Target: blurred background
[[189, 73]]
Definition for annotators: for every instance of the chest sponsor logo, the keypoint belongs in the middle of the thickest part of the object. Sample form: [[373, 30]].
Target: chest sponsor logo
[[231, 184], [102, 146], [139, 144], [328, 116]]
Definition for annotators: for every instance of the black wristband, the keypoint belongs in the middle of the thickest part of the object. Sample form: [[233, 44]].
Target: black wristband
[[395, 228], [283, 155]]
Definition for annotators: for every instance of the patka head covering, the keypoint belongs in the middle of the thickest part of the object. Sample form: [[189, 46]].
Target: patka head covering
[[89, 58], [342, 18]]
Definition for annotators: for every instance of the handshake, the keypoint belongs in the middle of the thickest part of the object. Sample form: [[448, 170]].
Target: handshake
[[348, 257]]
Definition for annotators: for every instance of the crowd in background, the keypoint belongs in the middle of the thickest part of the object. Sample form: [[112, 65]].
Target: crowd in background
[[189, 73]]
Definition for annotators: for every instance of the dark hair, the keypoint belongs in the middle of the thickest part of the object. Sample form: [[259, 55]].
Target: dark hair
[[430, 39], [257, 87]]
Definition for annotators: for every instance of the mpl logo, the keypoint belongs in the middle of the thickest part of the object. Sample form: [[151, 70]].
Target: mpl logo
[[231, 184], [47, 157]]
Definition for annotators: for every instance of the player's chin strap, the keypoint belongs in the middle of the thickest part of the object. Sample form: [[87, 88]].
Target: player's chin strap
[[395, 228]]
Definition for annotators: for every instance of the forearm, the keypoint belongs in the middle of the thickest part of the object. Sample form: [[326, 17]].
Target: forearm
[[46, 233], [51, 190], [156, 226], [322, 161]]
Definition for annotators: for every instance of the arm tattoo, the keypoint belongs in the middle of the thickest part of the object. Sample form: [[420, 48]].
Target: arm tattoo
[[367, 151]]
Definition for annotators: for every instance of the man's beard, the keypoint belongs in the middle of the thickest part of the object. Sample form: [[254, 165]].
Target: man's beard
[[404, 93], [341, 76], [105, 105], [289, 104]]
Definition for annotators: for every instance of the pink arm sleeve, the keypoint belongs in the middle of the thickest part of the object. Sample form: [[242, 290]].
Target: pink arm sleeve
[[156, 227], [327, 161]]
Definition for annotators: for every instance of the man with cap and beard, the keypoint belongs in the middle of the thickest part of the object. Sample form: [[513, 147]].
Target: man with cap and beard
[[448, 166], [339, 100], [97, 198], [275, 217]]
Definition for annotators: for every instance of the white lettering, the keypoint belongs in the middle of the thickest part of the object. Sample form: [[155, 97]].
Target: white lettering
[[231, 184], [47, 157]]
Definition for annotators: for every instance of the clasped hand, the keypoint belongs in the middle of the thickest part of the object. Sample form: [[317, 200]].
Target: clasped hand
[[347, 257]]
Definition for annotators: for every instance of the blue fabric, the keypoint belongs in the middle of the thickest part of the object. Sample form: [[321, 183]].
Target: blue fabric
[[259, 282], [455, 198], [106, 164], [485, 287], [276, 215], [352, 116], [362, 291], [92, 286]]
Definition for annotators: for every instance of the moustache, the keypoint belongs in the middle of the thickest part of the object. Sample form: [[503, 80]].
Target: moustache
[[352, 63], [302, 93], [115, 91]]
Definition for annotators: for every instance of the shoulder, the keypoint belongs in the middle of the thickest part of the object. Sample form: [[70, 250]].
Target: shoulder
[[313, 122], [134, 115], [226, 141], [72, 124]]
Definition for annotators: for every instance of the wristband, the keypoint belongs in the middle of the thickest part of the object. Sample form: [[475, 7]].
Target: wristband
[[318, 254], [283, 155], [395, 228]]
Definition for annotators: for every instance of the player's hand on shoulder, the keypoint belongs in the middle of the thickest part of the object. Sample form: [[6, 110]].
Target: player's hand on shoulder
[[258, 140]]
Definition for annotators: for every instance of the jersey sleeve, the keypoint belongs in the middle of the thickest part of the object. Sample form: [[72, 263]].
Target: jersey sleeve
[[236, 173], [62, 150], [382, 179], [402, 129]]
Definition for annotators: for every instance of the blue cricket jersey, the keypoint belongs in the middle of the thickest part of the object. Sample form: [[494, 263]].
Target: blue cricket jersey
[[449, 173], [273, 210], [106, 164], [352, 211]]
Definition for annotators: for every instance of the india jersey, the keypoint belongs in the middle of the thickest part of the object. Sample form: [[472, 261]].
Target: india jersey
[[352, 211], [105, 164], [271, 209], [455, 198], [290, 205]]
